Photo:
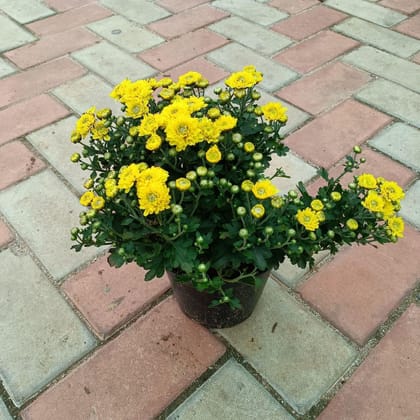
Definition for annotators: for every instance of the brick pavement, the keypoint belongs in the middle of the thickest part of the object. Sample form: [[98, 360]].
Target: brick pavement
[[79, 340]]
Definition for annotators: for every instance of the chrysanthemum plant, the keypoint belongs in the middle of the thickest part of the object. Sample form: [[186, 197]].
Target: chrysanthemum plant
[[177, 183]]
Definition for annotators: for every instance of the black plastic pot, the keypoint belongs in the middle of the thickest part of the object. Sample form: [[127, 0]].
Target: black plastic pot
[[195, 304]]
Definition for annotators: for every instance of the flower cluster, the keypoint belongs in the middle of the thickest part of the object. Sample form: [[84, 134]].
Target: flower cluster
[[177, 182]]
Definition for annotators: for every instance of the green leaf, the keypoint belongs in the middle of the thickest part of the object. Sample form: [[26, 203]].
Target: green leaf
[[126, 221], [323, 173], [115, 260]]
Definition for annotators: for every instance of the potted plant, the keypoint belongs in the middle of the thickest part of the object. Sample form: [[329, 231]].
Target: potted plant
[[177, 185]]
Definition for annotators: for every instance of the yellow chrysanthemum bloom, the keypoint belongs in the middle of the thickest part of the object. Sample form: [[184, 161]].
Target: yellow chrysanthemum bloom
[[190, 78], [165, 82], [321, 216], [373, 202], [317, 205], [183, 184], [247, 185], [193, 103], [172, 111], [258, 77], [85, 122], [396, 225], [388, 209], [153, 142], [136, 108], [225, 122], [352, 224], [98, 203], [183, 131], [100, 131], [264, 189], [241, 80], [274, 111], [111, 188], [87, 198], [213, 155], [121, 90], [209, 131], [249, 147], [128, 176], [367, 181], [392, 191], [167, 94], [153, 197], [308, 218], [149, 124], [153, 175], [258, 211]]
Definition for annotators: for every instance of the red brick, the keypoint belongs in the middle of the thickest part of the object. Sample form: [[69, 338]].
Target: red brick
[[17, 163], [309, 22], [187, 21], [109, 297], [5, 235], [332, 136], [376, 164], [28, 116], [315, 51], [69, 19], [136, 375], [209, 70], [405, 6], [386, 385], [63, 5], [410, 26], [51, 46], [358, 289], [38, 80], [177, 6], [324, 88], [183, 49], [416, 58], [293, 6]]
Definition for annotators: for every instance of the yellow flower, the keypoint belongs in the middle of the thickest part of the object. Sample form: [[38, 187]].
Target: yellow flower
[[111, 188], [193, 103], [249, 147], [240, 80], [189, 78], [87, 198], [153, 175], [153, 197], [264, 189], [396, 225], [247, 185], [85, 122], [128, 176], [274, 111], [258, 211], [367, 181], [392, 191], [213, 113], [153, 142], [352, 224], [149, 124], [183, 131], [308, 218], [317, 205], [164, 82], [388, 209], [373, 202], [209, 131], [321, 216], [255, 74], [136, 108], [167, 94], [183, 184], [98, 203], [100, 131], [225, 122], [213, 155], [120, 90]]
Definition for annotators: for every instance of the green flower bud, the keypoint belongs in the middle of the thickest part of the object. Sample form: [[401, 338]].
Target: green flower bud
[[202, 170], [241, 211], [234, 189], [75, 157], [257, 156], [237, 137], [191, 175], [243, 233], [177, 209], [357, 149], [202, 268]]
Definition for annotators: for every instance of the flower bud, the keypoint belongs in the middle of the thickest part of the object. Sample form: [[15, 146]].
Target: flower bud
[[243, 233], [75, 157], [202, 170], [177, 209], [241, 211], [236, 137], [357, 149], [191, 175]]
